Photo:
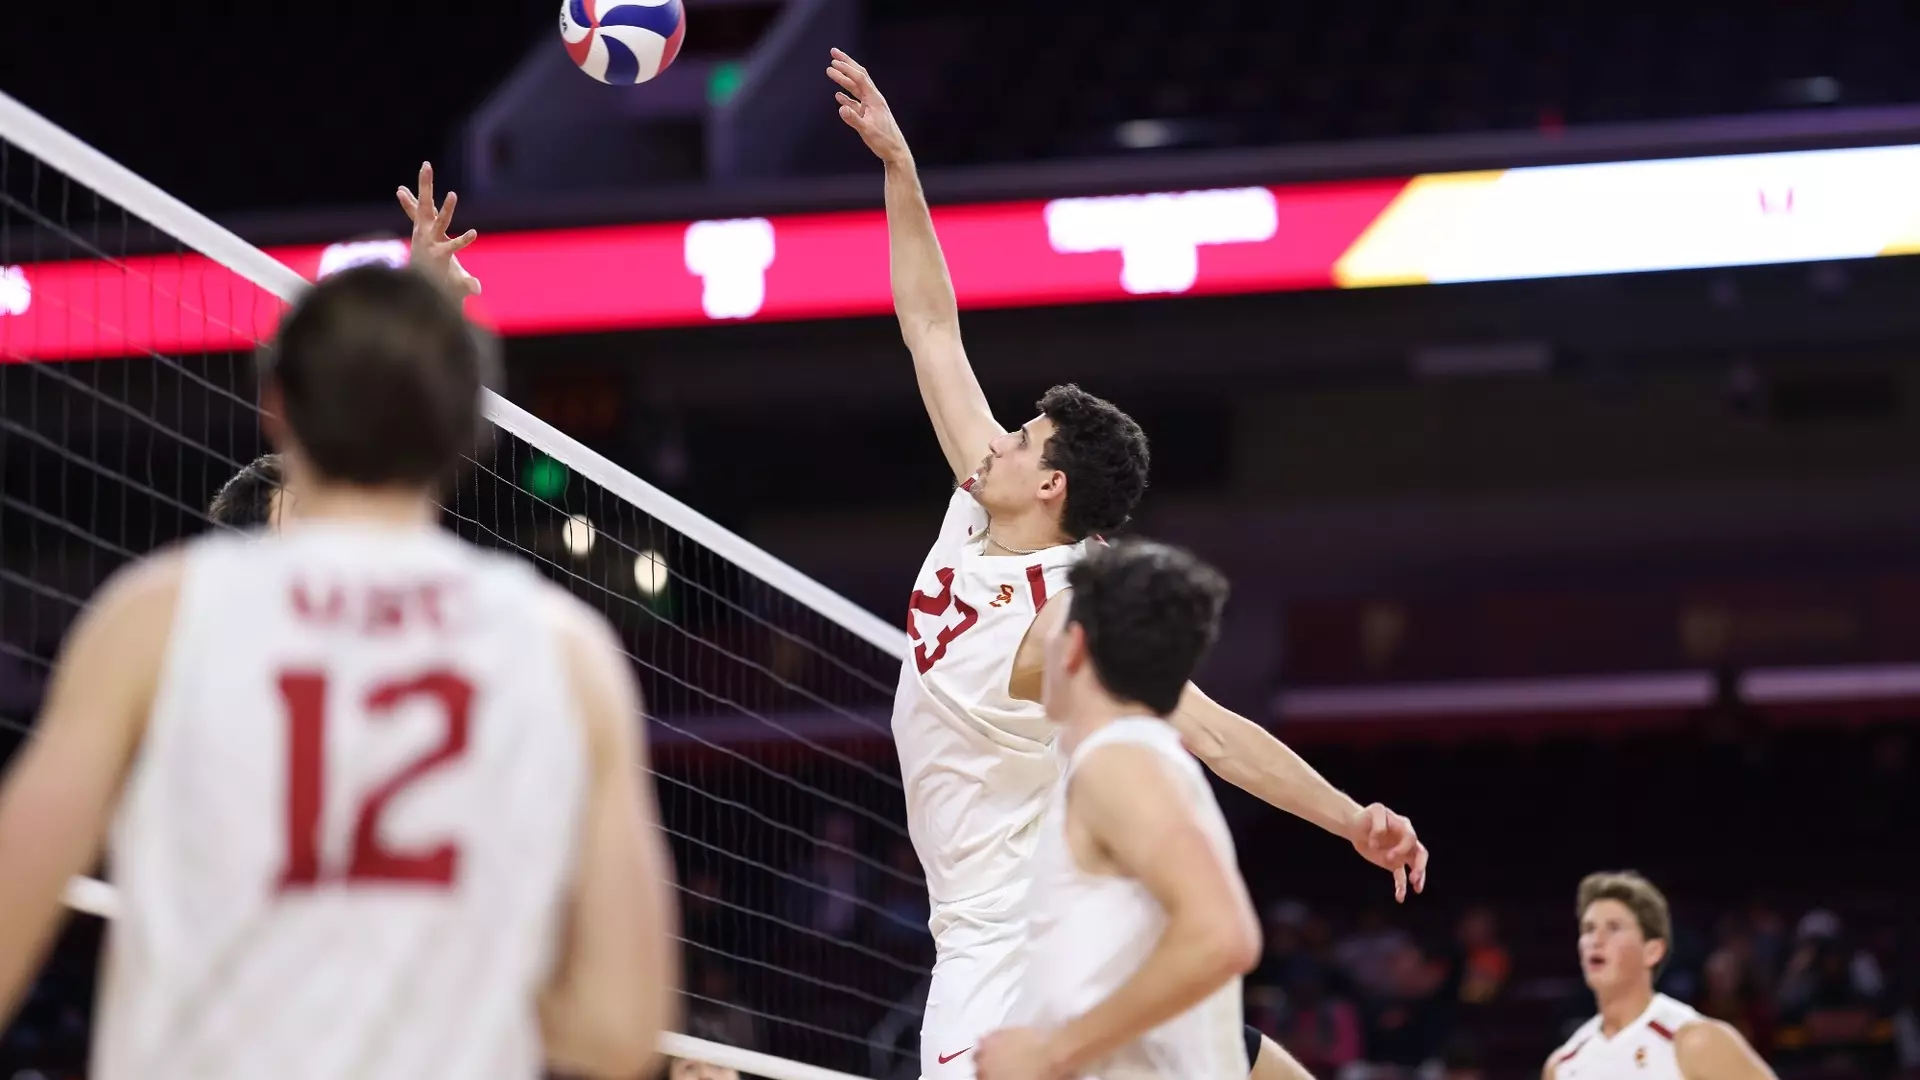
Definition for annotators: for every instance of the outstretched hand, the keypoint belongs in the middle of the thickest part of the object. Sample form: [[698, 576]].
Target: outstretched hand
[[864, 109], [1387, 840], [433, 249]]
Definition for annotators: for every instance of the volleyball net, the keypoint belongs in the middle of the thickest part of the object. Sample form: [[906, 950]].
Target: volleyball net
[[127, 325]]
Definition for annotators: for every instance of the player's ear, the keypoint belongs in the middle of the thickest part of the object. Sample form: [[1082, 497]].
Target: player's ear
[[1654, 952], [1053, 485], [1074, 644]]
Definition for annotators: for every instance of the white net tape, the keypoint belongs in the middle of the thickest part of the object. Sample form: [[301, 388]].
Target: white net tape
[[736, 649]]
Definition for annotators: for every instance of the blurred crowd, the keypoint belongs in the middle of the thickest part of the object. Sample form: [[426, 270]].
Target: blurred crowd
[[1372, 1001]]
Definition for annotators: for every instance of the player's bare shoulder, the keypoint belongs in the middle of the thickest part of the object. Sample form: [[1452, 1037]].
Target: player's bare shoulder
[[1708, 1049], [595, 664]]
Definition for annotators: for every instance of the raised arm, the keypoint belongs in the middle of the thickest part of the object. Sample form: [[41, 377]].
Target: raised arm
[[617, 983], [922, 291], [1127, 800], [63, 787], [434, 252], [1250, 758]]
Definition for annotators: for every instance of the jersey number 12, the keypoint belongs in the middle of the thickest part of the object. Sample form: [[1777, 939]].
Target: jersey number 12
[[369, 861]]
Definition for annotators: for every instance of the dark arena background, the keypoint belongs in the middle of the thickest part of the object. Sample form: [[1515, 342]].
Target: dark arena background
[[1545, 377]]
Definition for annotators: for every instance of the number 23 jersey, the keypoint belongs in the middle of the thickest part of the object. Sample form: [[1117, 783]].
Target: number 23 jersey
[[345, 843], [977, 764]]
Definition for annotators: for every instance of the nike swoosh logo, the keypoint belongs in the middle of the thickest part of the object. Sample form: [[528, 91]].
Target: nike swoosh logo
[[944, 1058]]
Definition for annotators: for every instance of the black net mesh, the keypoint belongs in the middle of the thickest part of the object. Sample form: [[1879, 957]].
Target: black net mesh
[[127, 400]]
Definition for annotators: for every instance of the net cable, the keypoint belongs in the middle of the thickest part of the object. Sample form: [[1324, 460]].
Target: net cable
[[111, 182]]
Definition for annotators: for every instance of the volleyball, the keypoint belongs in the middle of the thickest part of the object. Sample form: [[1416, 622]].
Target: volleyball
[[622, 41]]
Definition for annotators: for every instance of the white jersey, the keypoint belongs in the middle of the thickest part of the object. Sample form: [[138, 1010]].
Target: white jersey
[[345, 842], [1643, 1050], [1088, 933], [977, 764]]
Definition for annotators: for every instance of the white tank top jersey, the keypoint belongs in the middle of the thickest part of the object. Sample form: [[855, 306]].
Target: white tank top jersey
[[1088, 933], [1643, 1050], [345, 843], [977, 764]]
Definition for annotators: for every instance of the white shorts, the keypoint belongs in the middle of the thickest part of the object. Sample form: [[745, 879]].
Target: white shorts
[[972, 992]]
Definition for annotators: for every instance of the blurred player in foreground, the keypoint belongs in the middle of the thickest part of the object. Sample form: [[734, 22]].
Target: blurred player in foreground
[[257, 496], [374, 794], [976, 753], [1140, 923], [1625, 932]]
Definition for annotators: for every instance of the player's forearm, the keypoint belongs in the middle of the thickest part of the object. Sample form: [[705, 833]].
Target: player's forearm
[[1250, 758], [923, 295], [1195, 956]]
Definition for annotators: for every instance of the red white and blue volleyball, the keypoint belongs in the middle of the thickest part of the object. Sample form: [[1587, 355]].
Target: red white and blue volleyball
[[623, 41]]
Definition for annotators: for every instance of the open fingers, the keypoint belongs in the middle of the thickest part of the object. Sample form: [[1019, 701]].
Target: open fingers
[[425, 184], [445, 218], [1400, 885], [841, 77], [861, 81], [459, 243], [1420, 868]]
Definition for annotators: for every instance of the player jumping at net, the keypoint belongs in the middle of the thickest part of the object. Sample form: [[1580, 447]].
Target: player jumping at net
[[1140, 925], [374, 795], [975, 747], [1625, 933], [257, 496]]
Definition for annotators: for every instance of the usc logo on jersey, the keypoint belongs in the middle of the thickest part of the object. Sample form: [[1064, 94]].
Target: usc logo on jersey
[[1005, 597]]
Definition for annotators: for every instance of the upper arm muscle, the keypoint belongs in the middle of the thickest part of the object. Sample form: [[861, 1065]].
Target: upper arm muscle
[[962, 420], [63, 788]]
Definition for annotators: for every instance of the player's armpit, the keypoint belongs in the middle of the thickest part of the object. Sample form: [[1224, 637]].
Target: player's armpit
[[1128, 801], [617, 981], [61, 793], [1712, 1050], [1030, 661]]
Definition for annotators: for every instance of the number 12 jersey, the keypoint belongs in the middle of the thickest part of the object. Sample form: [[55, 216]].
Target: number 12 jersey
[[346, 842]]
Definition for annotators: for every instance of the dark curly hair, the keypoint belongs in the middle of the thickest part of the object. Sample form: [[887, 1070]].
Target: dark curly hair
[[1150, 612], [246, 501], [1104, 454]]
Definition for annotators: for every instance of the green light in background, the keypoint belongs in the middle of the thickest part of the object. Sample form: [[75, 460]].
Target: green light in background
[[723, 83], [544, 478]]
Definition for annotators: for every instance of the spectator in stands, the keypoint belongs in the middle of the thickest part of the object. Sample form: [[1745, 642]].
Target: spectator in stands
[[1413, 1015], [1321, 1030], [1732, 995], [830, 901], [1831, 1012], [1286, 958], [714, 1011], [1485, 964], [1369, 956]]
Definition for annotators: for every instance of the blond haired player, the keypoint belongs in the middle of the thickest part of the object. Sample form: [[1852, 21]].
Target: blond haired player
[[1140, 924], [1625, 930], [976, 751], [374, 795]]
